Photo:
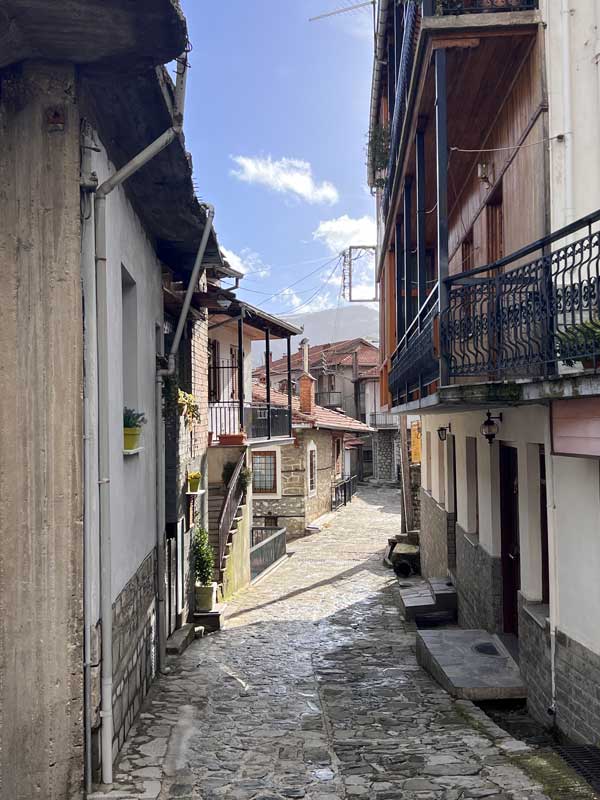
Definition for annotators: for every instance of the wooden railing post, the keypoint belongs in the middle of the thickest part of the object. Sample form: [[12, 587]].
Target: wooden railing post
[[441, 141], [289, 382], [241, 369]]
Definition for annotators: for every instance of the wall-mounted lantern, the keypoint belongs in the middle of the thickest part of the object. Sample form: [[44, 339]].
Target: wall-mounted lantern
[[490, 428], [443, 432]]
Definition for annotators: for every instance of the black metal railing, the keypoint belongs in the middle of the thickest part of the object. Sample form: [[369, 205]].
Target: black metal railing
[[343, 492], [412, 16], [229, 509], [381, 419], [533, 320], [267, 546], [448, 7], [415, 363], [224, 418], [329, 399]]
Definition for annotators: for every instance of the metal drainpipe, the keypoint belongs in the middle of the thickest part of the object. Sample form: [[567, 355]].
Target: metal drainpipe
[[553, 553], [569, 205], [101, 310], [160, 440]]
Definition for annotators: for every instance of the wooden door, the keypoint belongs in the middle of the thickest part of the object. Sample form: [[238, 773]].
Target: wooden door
[[509, 521]]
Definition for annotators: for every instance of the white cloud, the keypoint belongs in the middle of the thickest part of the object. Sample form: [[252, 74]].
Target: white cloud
[[290, 176], [247, 262], [339, 233], [290, 298]]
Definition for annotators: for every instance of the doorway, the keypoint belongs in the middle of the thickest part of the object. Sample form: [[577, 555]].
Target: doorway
[[509, 524]]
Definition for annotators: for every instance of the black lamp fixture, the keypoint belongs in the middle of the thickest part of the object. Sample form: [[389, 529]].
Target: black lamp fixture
[[490, 428], [443, 432]]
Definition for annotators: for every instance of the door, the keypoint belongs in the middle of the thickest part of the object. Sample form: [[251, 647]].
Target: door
[[509, 522]]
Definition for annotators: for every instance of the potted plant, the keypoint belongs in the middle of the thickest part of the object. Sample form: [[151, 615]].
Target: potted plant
[[194, 478], [132, 428], [583, 338], [205, 589], [232, 438]]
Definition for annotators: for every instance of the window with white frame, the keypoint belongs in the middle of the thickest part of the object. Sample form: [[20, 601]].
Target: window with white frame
[[312, 469]]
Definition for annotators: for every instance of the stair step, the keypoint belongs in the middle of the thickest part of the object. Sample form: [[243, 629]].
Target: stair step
[[180, 640], [417, 599], [445, 595]]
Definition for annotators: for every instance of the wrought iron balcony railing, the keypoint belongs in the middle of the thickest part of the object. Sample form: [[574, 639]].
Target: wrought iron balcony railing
[[538, 319], [415, 363], [446, 7], [329, 399]]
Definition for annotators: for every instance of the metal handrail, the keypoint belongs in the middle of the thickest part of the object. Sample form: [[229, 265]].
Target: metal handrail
[[413, 328], [230, 507]]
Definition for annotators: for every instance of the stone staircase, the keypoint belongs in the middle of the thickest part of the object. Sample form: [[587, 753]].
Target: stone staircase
[[427, 597], [216, 498]]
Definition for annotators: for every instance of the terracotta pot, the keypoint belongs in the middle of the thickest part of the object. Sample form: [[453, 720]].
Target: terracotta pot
[[205, 597], [232, 438]]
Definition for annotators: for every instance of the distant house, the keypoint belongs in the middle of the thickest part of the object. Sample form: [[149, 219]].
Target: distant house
[[296, 484]]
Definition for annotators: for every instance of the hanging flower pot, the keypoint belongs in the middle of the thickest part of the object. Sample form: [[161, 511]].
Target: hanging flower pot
[[132, 428], [194, 479]]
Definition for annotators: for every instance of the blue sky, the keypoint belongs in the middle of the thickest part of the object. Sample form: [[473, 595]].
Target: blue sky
[[276, 121]]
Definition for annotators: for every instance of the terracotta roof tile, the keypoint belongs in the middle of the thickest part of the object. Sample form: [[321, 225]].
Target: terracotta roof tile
[[334, 354]]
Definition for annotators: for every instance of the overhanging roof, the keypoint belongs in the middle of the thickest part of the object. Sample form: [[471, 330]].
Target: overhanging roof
[[254, 317], [92, 31]]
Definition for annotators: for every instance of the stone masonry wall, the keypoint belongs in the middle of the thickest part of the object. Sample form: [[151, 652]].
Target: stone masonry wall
[[290, 507], [384, 461], [321, 503], [479, 585], [134, 647], [577, 695], [437, 538], [535, 661]]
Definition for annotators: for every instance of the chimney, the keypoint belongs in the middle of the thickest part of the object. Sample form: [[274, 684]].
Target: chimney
[[304, 346], [307, 393]]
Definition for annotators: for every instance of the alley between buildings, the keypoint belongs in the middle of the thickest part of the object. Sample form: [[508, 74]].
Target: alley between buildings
[[312, 691]]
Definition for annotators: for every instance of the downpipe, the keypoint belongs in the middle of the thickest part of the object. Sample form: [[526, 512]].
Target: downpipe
[[553, 551], [102, 324], [161, 374], [569, 206]]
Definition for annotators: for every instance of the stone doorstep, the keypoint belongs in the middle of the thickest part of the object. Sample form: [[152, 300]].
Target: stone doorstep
[[211, 621], [450, 658], [180, 640]]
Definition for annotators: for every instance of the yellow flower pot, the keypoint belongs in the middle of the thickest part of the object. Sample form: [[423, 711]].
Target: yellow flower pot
[[193, 485], [131, 438]]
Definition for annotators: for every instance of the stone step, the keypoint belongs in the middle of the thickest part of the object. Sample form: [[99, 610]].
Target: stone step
[[211, 620], [445, 595], [180, 640], [417, 599]]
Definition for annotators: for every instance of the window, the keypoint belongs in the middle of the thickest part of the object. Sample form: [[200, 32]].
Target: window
[[214, 388], [312, 469], [264, 472], [468, 253], [337, 456], [129, 339], [495, 227]]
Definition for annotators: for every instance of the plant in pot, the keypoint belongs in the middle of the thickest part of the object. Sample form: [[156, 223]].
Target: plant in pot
[[205, 589], [132, 428], [583, 338], [194, 479]]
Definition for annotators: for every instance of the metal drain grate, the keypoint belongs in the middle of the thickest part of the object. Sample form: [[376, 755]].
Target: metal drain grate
[[584, 760]]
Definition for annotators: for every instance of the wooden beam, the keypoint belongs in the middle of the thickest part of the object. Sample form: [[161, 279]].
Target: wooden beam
[[399, 262], [441, 144], [408, 309], [421, 219]]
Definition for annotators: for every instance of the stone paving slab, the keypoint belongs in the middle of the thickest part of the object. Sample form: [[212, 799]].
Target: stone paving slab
[[312, 690]]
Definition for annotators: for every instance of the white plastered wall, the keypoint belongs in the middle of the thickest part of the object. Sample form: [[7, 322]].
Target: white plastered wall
[[227, 336], [133, 478]]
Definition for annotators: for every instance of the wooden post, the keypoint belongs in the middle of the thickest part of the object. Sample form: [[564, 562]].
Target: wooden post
[[399, 259], [289, 381], [421, 218], [241, 369], [408, 305], [441, 141], [268, 375]]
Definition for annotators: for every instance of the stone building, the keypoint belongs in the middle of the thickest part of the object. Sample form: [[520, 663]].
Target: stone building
[[489, 318], [307, 472], [85, 242]]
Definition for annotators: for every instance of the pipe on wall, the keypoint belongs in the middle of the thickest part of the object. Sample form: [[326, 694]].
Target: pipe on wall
[[101, 312], [567, 66]]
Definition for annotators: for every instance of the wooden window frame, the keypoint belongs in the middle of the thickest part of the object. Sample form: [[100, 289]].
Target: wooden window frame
[[275, 488]]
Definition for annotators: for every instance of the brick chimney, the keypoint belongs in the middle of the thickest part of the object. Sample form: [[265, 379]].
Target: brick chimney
[[307, 393]]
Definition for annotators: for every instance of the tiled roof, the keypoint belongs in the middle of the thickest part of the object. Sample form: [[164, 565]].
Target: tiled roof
[[321, 418], [373, 372], [332, 354]]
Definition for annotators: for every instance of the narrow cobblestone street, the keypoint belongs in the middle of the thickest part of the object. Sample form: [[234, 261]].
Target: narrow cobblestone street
[[313, 690]]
